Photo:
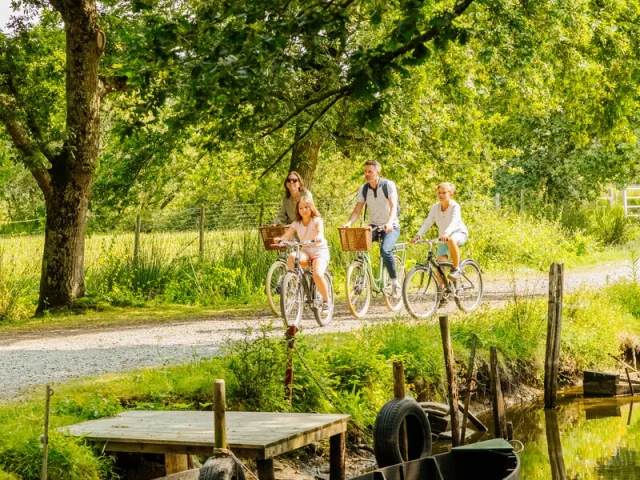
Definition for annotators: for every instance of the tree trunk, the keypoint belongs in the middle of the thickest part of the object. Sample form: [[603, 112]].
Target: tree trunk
[[304, 157], [70, 176]]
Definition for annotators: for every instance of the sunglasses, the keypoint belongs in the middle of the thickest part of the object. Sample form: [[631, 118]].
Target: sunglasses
[[292, 180]]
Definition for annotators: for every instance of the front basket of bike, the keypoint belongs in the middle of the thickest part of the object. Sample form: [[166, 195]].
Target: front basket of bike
[[269, 233], [355, 239]]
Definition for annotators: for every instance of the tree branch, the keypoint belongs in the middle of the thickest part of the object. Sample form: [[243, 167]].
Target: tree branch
[[388, 57], [341, 92], [33, 158], [306, 132], [112, 84]]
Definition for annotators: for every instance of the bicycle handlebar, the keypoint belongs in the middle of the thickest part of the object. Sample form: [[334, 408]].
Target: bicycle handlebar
[[292, 244], [430, 242]]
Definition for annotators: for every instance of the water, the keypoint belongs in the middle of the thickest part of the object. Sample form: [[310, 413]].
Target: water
[[583, 439]]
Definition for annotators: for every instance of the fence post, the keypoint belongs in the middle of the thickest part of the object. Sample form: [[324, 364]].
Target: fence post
[[497, 400], [612, 198], [497, 201], [625, 205], [554, 326], [201, 225], [136, 240], [522, 200], [450, 368], [261, 216]]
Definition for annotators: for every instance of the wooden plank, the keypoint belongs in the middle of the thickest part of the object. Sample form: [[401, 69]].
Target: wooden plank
[[175, 463], [265, 469], [337, 456], [250, 434]]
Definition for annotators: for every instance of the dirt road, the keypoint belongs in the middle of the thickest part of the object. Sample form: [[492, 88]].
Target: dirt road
[[34, 359]]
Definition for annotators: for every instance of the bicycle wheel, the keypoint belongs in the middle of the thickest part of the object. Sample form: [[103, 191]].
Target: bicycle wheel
[[323, 318], [468, 287], [291, 299], [394, 303], [358, 290], [275, 275], [420, 292]]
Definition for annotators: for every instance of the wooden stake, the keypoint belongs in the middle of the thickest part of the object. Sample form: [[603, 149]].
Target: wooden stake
[[337, 456], [136, 239], [631, 392], [554, 327], [467, 399], [219, 415], [509, 431], [399, 392], [497, 401], [450, 367], [45, 436], [290, 336], [201, 225]]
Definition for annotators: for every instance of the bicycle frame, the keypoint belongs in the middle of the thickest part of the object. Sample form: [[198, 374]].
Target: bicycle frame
[[378, 282], [307, 277], [433, 264]]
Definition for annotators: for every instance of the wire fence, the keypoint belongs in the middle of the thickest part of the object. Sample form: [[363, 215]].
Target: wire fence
[[220, 217]]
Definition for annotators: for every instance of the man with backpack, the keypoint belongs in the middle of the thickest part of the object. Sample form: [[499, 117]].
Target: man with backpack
[[381, 198]]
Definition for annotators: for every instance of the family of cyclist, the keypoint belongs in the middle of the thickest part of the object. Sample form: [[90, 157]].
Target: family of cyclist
[[380, 197]]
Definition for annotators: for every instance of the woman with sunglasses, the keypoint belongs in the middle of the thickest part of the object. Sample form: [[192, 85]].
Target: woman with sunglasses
[[294, 191]]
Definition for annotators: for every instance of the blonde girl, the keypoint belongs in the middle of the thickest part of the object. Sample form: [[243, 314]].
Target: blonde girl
[[310, 227]]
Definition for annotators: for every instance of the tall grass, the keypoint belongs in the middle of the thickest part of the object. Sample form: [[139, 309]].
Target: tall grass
[[169, 267]]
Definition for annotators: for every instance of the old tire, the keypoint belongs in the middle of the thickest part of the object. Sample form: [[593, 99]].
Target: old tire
[[221, 468], [386, 432]]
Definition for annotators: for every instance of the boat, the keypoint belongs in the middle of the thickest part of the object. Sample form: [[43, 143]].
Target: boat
[[488, 460]]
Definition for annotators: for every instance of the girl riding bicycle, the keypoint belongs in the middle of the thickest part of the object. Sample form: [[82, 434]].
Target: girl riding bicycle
[[310, 227], [447, 216]]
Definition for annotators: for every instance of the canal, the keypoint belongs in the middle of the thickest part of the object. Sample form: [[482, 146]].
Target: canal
[[583, 438]]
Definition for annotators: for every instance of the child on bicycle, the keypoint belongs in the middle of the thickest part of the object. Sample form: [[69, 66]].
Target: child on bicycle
[[447, 216], [310, 227]]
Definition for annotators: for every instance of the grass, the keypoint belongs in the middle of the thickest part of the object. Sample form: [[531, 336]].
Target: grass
[[332, 374]]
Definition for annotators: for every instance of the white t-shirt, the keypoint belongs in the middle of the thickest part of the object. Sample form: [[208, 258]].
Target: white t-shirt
[[310, 232], [378, 204], [449, 221]]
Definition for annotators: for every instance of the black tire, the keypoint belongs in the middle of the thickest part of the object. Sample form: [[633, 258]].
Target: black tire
[[386, 432], [421, 292], [222, 468], [324, 319], [468, 287], [273, 286], [358, 289], [291, 299]]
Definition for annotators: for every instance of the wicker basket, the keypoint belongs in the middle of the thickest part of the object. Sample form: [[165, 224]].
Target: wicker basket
[[269, 233], [355, 239]]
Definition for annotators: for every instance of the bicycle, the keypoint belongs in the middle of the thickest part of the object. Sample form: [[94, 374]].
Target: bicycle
[[299, 290], [361, 282], [278, 269], [422, 292]]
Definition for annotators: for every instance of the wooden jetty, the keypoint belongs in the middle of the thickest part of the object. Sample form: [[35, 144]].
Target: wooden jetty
[[603, 384], [177, 434]]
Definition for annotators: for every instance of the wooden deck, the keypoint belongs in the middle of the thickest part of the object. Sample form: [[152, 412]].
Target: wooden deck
[[260, 435]]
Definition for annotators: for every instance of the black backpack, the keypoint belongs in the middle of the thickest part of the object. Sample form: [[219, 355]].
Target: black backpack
[[385, 189]]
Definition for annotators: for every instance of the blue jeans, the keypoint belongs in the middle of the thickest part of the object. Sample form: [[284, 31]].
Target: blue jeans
[[387, 242]]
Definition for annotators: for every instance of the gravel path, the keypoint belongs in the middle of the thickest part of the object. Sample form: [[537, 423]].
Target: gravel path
[[39, 358]]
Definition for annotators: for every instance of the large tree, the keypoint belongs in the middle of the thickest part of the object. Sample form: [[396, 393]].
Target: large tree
[[62, 160]]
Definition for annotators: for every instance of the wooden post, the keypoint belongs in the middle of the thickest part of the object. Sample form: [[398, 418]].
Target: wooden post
[[399, 392], [554, 445], [398, 380], [467, 399], [219, 415], [45, 436], [265, 469], [497, 401], [554, 327], [522, 201], [497, 202], [290, 336], [201, 225], [337, 456], [631, 392], [450, 367], [136, 239], [624, 202], [261, 216], [509, 431]]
